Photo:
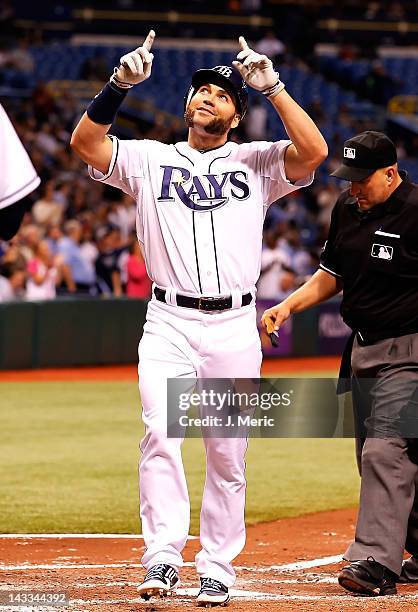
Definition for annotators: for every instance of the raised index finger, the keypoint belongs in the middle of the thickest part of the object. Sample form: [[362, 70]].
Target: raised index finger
[[149, 40], [243, 43]]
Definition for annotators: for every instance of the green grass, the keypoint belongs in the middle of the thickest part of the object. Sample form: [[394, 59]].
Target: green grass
[[69, 453]]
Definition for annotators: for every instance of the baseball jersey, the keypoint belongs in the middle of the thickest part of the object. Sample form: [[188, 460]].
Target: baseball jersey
[[375, 255], [18, 176], [200, 214]]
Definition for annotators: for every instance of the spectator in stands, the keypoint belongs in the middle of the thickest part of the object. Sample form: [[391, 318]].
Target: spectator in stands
[[177, 130], [45, 273], [107, 264], [159, 129], [88, 248], [61, 194], [274, 262], [139, 283], [271, 46], [46, 140], [396, 11], [287, 284], [12, 259], [7, 14], [316, 111], [82, 269], [47, 211], [299, 258], [18, 57], [372, 11], [123, 216], [94, 68], [12, 284], [77, 202], [43, 102], [53, 236], [378, 85], [348, 52], [326, 198], [30, 237], [256, 120]]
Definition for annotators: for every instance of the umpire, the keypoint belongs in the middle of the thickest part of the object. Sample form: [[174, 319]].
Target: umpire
[[372, 256]]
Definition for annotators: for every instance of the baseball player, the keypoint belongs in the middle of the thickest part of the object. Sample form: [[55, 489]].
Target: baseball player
[[18, 178], [201, 206]]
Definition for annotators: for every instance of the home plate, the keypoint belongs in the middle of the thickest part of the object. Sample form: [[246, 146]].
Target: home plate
[[233, 592]]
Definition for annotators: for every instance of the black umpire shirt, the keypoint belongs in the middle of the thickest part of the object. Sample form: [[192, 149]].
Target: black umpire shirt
[[375, 255]]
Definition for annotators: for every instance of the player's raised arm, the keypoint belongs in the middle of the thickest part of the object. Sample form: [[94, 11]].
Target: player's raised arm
[[309, 148], [89, 139]]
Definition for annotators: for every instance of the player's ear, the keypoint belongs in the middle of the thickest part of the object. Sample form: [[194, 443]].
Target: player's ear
[[235, 121]]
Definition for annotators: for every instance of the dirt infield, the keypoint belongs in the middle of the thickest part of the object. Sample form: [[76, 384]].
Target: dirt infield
[[289, 565], [293, 365]]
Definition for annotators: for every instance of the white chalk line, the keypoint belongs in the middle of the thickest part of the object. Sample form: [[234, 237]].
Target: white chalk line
[[242, 595], [67, 566], [85, 536], [307, 579], [298, 565], [287, 567], [74, 566], [292, 567]]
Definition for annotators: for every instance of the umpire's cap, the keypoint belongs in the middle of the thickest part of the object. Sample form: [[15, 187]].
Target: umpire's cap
[[226, 77], [364, 154]]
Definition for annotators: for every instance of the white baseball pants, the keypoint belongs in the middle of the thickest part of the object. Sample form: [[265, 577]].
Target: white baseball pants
[[181, 342]]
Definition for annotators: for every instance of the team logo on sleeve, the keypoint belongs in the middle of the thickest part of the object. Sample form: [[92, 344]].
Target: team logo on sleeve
[[205, 192]]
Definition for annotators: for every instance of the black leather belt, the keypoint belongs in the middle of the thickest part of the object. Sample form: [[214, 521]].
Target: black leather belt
[[203, 303]]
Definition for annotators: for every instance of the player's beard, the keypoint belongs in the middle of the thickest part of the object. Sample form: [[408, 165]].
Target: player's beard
[[216, 126]]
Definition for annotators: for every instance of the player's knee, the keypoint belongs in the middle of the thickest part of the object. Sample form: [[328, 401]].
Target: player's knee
[[228, 463], [156, 442], [377, 454]]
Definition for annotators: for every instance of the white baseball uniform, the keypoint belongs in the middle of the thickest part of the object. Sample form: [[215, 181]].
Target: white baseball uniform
[[18, 176], [199, 222]]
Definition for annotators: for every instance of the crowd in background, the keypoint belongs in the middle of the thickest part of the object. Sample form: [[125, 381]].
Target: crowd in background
[[78, 237]]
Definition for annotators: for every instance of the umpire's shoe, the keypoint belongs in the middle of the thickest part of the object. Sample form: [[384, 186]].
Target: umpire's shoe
[[368, 578], [212, 593], [160, 580], [409, 572]]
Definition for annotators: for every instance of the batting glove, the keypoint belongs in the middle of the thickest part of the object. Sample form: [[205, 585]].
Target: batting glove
[[135, 66], [257, 70]]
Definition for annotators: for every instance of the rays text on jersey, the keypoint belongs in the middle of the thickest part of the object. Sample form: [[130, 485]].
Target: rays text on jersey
[[204, 192]]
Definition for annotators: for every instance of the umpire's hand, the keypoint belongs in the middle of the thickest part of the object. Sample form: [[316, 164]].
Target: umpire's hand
[[273, 317], [135, 66]]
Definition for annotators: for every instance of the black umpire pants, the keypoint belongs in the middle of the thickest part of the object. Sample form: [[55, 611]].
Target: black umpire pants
[[384, 384]]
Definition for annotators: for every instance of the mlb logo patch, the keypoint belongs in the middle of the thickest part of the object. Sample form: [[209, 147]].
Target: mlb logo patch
[[382, 251], [349, 153]]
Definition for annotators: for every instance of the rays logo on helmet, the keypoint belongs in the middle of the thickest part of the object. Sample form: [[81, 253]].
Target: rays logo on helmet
[[224, 76], [225, 71]]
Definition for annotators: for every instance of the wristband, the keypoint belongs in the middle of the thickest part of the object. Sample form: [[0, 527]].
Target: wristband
[[271, 92], [103, 108]]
